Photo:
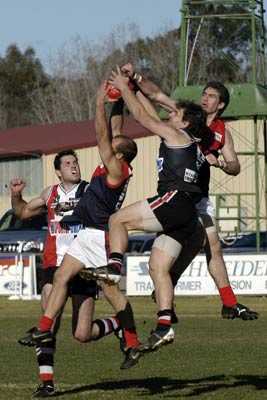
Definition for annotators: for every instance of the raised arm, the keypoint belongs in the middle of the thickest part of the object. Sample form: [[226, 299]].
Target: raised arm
[[116, 117], [137, 109], [104, 141], [148, 106], [149, 88], [22, 209]]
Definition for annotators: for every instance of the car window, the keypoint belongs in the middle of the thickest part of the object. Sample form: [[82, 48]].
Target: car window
[[135, 246], [6, 221], [248, 241], [148, 245], [10, 222], [263, 239], [140, 243]]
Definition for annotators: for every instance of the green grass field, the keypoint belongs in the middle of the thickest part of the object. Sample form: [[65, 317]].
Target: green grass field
[[210, 358]]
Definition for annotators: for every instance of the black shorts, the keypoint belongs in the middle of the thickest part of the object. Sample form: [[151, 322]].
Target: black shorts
[[208, 221], [77, 286], [176, 212]]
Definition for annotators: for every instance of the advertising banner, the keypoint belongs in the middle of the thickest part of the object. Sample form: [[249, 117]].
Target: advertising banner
[[16, 275], [247, 274]]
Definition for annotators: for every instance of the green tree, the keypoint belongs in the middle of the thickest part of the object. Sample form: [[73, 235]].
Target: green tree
[[20, 74], [220, 45]]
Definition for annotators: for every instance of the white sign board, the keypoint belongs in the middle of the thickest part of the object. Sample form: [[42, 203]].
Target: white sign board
[[10, 275], [247, 274]]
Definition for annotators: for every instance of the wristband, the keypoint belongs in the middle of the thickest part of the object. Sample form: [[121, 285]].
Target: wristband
[[137, 77]]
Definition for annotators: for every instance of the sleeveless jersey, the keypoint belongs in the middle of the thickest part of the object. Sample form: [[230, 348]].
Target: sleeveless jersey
[[178, 167], [217, 128], [102, 199], [59, 204]]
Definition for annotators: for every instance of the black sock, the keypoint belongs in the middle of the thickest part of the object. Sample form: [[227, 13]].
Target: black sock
[[45, 358], [116, 259]]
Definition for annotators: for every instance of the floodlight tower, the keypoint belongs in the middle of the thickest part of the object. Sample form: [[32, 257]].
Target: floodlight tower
[[225, 40]]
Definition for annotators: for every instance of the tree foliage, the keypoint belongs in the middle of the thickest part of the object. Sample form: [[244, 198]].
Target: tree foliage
[[20, 74], [70, 95], [221, 46], [220, 50]]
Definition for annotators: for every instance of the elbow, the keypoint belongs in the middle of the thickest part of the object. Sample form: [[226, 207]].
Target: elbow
[[233, 172], [233, 168], [237, 170], [22, 214]]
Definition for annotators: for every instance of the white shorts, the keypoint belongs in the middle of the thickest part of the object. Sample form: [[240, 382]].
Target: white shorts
[[90, 247], [206, 212]]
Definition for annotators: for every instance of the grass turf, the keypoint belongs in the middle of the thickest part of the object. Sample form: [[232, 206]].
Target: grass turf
[[211, 358]]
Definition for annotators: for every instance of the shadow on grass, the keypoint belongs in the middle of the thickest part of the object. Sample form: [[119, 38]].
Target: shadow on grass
[[171, 387]]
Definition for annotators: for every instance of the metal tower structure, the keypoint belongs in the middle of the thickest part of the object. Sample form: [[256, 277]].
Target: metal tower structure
[[225, 40], [221, 24]]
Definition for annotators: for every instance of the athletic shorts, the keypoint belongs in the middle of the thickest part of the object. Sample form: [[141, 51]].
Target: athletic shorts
[[77, 286], [176, 212], [90, 247], [206, 212]]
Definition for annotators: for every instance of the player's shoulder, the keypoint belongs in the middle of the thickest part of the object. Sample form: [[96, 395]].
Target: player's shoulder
[[48, 191]]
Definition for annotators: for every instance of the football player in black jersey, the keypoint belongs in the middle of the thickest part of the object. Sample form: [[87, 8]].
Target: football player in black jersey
[[214, 100]]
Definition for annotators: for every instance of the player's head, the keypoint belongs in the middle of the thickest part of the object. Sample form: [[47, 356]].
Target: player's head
[[67, 166], [124, 147], [191, 117], [215, 98]]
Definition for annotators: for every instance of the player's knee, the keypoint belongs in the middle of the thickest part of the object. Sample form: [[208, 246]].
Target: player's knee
[[110, 292], [61, 277], [115, 219], [118, 218], [82, 336]]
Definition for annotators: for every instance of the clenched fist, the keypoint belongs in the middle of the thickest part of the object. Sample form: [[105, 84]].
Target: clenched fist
[[17, 185]]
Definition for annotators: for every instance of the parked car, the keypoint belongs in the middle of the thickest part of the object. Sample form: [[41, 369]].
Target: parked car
[[17, 235], [244, 243], [140, 242]]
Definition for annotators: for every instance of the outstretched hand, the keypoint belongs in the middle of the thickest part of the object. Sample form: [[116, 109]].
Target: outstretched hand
[[118, 80]]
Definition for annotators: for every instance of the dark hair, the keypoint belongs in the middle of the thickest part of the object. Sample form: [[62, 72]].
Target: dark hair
[[196, 116], [223, 93], [127, 147], [57, 160]]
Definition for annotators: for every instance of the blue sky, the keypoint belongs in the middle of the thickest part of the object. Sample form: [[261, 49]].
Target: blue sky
[[47, 25]]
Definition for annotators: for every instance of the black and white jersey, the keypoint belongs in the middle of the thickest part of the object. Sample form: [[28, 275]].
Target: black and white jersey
[[178, 167]]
